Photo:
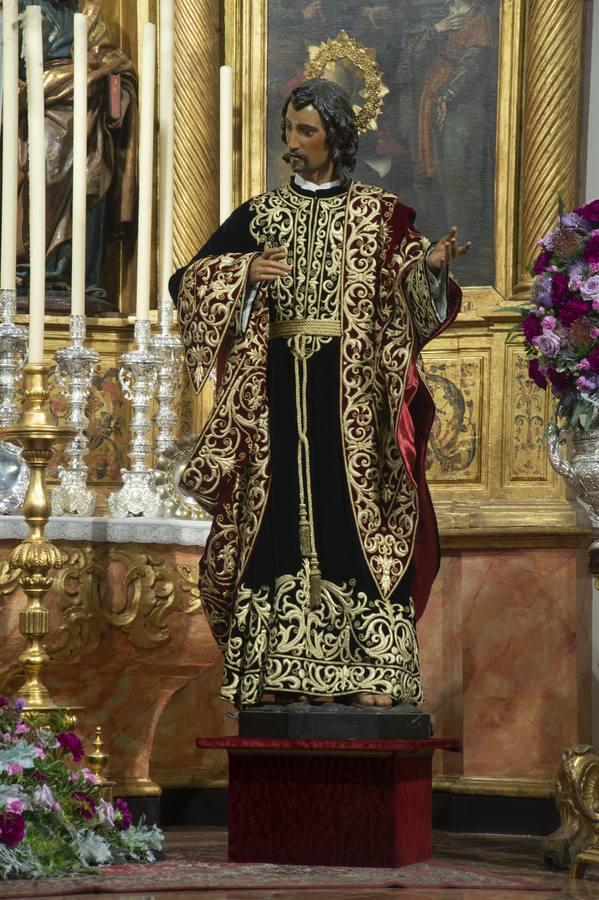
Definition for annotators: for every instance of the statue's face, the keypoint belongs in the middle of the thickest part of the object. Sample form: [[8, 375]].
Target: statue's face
[[307, 144]]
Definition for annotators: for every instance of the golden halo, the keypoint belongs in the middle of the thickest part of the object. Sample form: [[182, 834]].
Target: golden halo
[[349, 63]]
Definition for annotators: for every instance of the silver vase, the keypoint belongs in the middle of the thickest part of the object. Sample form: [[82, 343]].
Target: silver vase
[[581, 470]]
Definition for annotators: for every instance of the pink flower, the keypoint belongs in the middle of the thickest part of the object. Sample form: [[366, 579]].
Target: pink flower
[[21, 728], [56, 807], [14, 806], [89, 776], [594, 267], [583, 365], [548, 323], [594, 332], [15, 769], [39, 753]]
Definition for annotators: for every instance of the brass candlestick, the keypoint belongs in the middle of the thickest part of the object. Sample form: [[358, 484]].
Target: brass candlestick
[[37, 431]]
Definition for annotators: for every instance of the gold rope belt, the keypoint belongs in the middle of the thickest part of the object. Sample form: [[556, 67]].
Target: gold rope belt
[[313, 327]]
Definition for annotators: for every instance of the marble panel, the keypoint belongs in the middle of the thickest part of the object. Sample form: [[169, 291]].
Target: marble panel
[[519, 652]]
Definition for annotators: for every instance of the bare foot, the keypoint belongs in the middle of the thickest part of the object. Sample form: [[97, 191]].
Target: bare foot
[[366, 699]]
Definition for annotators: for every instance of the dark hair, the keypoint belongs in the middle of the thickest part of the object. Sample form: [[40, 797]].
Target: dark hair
[[335, 110]]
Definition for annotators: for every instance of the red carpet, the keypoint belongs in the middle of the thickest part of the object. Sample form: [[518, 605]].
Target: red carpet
[[180, 874]]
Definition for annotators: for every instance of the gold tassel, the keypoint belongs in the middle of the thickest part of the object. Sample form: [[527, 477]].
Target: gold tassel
[[305, 547]]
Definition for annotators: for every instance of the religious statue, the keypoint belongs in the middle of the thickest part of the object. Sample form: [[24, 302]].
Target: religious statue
[[112, 129], [314, 301]]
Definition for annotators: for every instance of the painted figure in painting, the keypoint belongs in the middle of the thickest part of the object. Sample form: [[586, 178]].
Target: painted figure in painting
[[112, 128], [314, 300]]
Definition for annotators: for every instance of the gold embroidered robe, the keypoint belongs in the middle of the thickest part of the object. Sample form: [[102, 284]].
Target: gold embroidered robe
[[340, 368]]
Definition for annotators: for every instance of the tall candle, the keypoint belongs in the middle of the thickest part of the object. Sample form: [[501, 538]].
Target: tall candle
[[146, 162], [226, 142], [37, 180], [79, 164], [167, 99], [10, 142]]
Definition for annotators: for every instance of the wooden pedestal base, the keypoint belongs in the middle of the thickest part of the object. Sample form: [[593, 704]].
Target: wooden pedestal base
[[330, 803]]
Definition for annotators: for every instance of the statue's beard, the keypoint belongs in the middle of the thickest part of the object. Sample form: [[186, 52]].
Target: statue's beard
[[297, 161]]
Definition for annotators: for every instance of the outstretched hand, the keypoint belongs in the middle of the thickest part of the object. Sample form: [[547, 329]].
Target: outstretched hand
[[269, 265], [445, 250]]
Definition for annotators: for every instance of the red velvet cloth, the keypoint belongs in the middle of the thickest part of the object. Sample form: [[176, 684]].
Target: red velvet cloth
[[314, 803]]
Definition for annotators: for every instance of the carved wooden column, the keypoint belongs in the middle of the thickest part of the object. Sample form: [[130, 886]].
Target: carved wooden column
[[553, 48], [196, 138]]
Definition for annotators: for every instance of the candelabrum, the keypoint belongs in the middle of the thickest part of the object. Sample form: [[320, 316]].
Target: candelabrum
[[138, 373], [75, 366], [37, 432], [13, 353], [170, 348]]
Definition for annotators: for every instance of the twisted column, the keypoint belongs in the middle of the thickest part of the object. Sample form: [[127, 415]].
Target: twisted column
[[550, 122]]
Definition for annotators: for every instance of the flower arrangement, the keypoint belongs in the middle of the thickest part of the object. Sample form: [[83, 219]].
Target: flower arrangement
[[561, 323], [53, 819]]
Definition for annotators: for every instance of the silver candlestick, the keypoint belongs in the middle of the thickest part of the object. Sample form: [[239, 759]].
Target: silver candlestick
[[75, 366], [13, 355], [138, 373], [170, 348]]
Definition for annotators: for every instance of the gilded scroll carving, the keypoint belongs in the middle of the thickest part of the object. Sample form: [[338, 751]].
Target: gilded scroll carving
[[528, 455], [577, 800], [99, 588]]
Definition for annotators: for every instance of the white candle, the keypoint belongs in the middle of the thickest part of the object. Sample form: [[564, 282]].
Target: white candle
[[37, 180], [226, 142], [79, 164], [10, 142], [167, 100], [146, 161]]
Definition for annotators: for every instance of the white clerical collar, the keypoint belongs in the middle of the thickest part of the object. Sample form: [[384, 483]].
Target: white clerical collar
[[311, 186]]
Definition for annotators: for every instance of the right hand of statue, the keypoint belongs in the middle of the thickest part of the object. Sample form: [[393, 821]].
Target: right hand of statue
[[269, 265]]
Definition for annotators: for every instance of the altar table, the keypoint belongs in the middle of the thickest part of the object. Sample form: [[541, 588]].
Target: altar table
[[330, 803]]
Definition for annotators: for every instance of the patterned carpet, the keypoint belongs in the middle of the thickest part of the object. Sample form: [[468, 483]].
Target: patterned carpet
[[179, 873]]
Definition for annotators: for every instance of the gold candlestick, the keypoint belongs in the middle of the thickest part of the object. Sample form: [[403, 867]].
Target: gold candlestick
[[37, 431]]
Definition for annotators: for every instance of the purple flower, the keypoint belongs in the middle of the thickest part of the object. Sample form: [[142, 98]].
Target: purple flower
[[15, 769], [591, 251], [560, 381], [590, 288], [543, 290], [583, 365], [84, 804], [584, 383], [12, 830], [543, 262], [590, 211], [22, 728], [559, 288], [531, 327], [594, 332], [106, 813], [39, 776], [548, 344], [572, 220], [42, 796], [122, 815], [593, 358], [20, 704], [534, 370], [572, 310], [14, 806], [69, 741]]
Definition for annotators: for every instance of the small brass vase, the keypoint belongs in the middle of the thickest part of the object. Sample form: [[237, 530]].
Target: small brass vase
[[37, 431]]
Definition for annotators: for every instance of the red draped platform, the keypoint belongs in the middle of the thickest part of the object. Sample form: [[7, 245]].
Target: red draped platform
[[331, 803]]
